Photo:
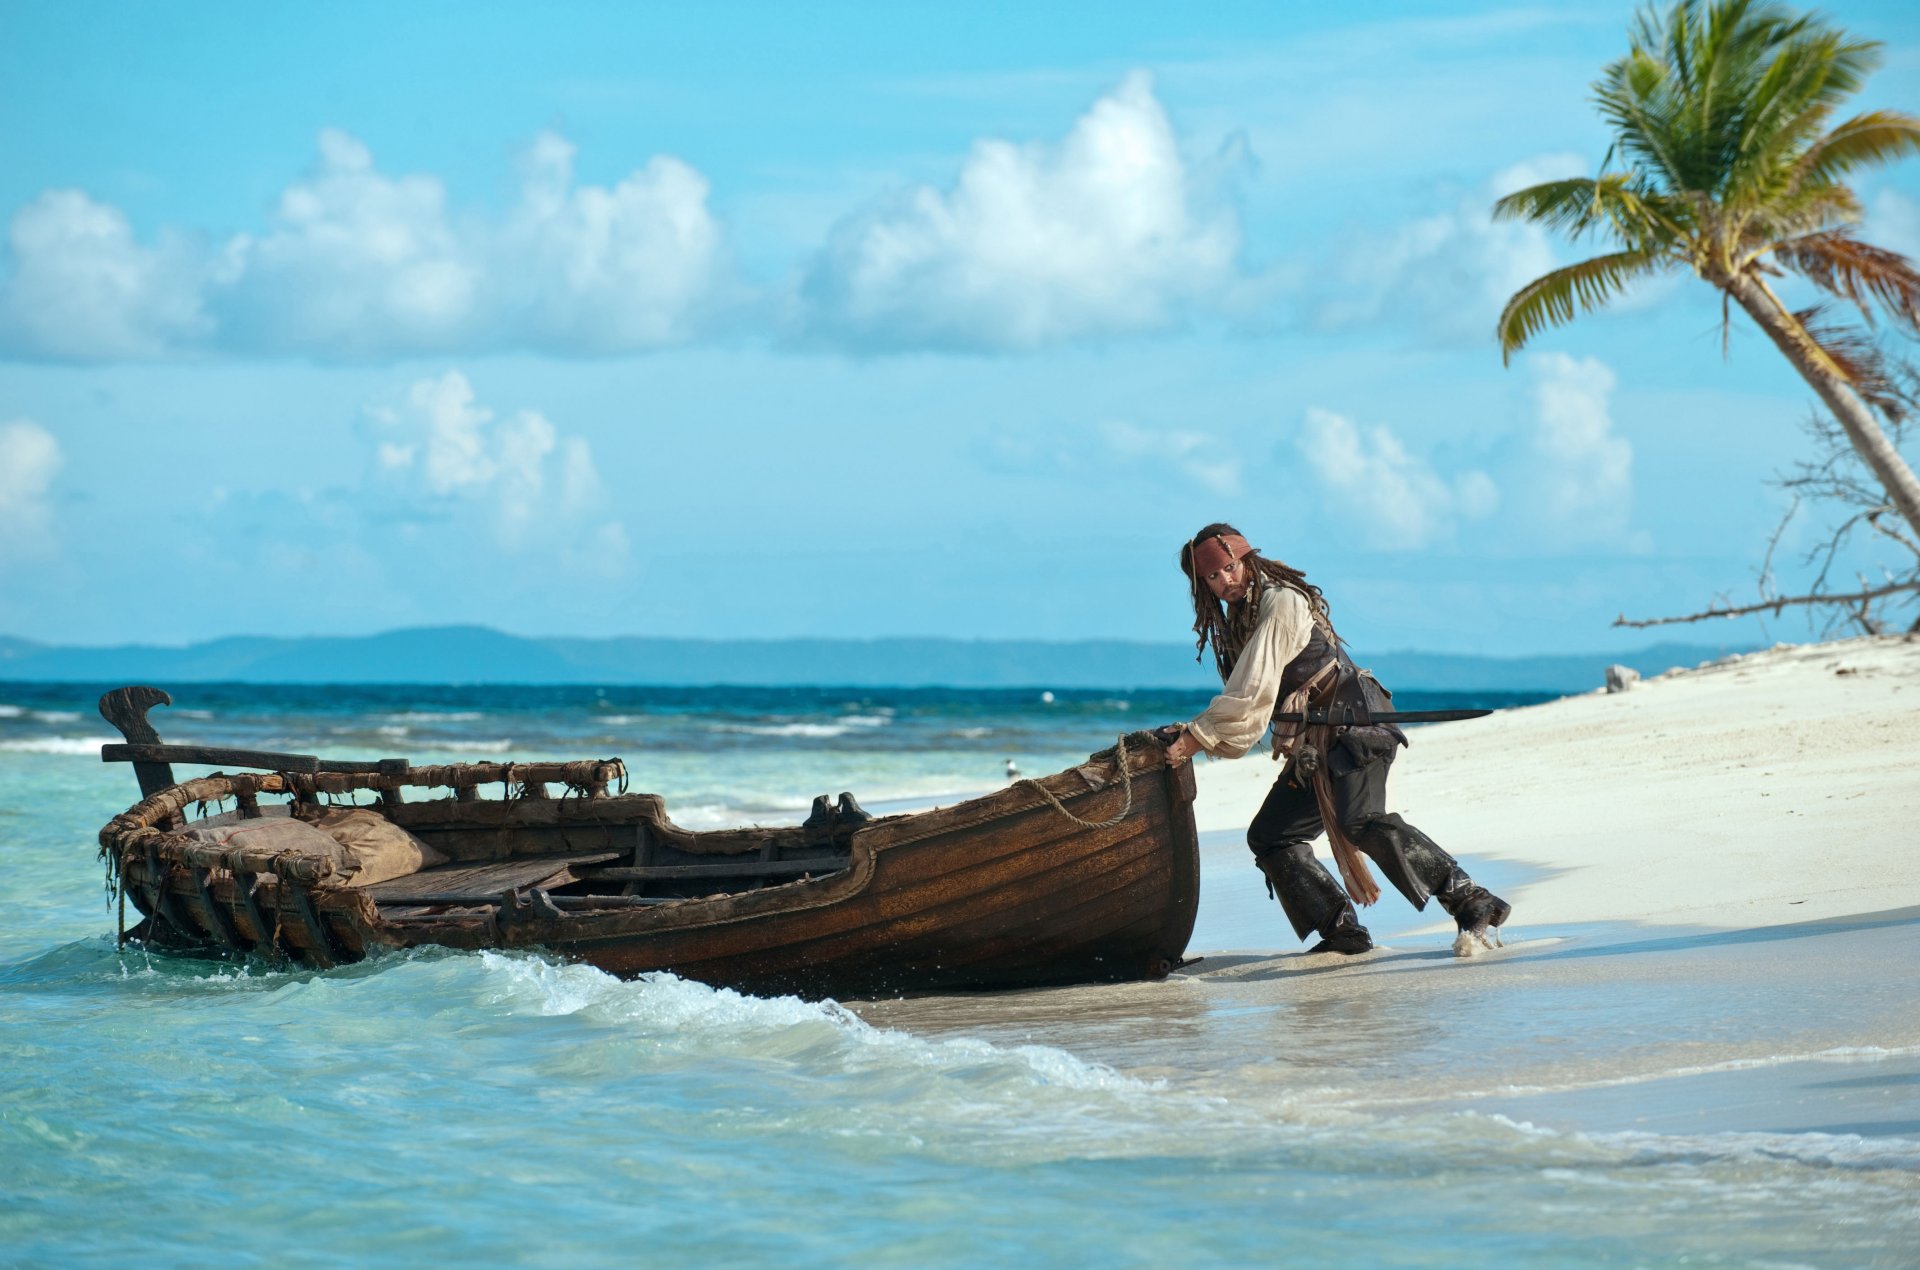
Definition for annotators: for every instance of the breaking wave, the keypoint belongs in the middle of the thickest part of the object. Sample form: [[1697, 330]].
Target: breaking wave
[[841, 726], [810, 1042], [58, 744]]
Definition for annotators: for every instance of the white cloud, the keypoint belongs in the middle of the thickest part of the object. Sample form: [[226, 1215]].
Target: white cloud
[[1449, 273], [1033, 244], [1580, 472], [1191, 454], [1390, 496], [1565, 478], [356, 263], [518, 480], [29, 460], [453, 448], [604, 269], [82, 287]]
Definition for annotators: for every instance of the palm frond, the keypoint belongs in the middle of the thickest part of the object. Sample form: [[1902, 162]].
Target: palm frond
[[1854, 353], [1812, 69], [1806, 209], [1767, 161], [1879, 136], [1723, 97], [1566, 205], [1556, 298], [1786, 88], [1639, 218], [1860, 273], [1643, 96], [1733, 50], [1742, 46], [1850, 63]]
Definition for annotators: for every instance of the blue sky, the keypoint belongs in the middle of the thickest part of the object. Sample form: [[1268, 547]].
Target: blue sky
[[844, 320]]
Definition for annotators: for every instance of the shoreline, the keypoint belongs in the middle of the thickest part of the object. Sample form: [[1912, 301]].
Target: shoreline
[[1716, 926]]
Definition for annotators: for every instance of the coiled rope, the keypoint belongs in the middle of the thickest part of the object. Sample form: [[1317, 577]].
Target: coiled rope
[[1126, 775]]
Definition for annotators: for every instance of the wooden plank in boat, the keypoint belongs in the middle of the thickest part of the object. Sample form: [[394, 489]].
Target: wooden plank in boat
[[820, 866], [481, 879]]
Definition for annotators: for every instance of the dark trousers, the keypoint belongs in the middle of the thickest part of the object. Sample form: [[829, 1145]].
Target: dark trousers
[[1290, 817], [1282, 833]]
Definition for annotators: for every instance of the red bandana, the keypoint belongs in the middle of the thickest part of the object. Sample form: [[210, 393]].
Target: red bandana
[[1216, 553]]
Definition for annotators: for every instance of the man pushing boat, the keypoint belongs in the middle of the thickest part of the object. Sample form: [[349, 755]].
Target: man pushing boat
[[1283, 665]]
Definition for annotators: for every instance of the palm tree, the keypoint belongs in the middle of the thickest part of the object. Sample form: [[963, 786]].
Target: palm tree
[[1731, 167]]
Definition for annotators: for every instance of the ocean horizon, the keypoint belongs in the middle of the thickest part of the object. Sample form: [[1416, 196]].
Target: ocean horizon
[[482, 655]]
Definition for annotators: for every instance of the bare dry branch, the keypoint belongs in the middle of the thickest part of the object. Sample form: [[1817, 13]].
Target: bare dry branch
[[1834, 486], [1773, 606], [1773, 545], [1877, 520]]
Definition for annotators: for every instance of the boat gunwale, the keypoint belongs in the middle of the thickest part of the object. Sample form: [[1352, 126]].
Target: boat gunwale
[[134, 835], [600, 925]]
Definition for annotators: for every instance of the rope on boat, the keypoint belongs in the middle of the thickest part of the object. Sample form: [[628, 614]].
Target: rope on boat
[[1126, 776]]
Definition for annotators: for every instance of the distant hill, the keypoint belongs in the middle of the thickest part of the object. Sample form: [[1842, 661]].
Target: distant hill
[[476, 654]]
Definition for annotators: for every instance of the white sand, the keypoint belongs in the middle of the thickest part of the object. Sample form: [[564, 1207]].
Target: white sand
[[1779, 787]]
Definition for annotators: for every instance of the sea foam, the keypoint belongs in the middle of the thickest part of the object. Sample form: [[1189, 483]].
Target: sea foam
[[667, 1009], [57, 744]]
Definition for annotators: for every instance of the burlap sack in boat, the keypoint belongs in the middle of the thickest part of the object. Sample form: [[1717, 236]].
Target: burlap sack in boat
[[382, 850], [271, 833]]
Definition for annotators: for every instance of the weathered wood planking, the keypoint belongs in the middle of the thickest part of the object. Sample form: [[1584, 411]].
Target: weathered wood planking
[[482, 879], [765, 867], [998, 891]]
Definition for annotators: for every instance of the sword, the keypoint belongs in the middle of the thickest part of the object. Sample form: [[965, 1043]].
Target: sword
[[1344, 717], [1360, 716]]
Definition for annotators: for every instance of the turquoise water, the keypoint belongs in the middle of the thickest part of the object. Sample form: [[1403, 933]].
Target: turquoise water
[[505, 1109]]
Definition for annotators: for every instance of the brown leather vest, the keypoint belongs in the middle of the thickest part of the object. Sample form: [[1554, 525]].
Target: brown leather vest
[[1349, 687], [1318, 652]]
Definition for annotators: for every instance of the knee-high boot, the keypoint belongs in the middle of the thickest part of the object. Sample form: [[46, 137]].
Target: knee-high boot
[[1312, 900], [1413, 862], [1418, 867]]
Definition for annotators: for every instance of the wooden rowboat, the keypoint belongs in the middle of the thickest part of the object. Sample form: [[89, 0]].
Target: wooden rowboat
[[1088, 875]]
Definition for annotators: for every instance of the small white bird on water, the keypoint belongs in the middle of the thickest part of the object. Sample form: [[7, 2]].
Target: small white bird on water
[[1013, 770]]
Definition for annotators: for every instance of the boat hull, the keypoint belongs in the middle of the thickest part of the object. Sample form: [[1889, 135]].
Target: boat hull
[[1098, 882], [1029, 899]]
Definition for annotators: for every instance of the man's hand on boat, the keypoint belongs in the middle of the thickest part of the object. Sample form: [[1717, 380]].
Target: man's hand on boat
[[1179, 742]]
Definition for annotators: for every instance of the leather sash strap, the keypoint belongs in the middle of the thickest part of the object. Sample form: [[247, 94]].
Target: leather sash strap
[[1291, 741]]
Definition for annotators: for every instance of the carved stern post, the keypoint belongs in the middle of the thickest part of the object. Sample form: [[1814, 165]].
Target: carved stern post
[[126, 709]]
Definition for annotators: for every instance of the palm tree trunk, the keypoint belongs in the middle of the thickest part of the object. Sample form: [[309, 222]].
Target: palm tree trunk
[[1862, 429]]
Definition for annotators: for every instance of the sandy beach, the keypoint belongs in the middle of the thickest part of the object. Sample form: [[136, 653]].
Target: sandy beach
[[1716, 926], [1780, 786]]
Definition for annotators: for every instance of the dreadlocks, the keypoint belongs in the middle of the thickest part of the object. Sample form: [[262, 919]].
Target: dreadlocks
[[1228, 626]]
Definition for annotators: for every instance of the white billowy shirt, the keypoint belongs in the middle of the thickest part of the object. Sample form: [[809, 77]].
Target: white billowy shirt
[[1238, 717]]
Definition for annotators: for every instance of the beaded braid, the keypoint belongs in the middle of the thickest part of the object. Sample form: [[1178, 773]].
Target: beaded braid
[[1227, 627]]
